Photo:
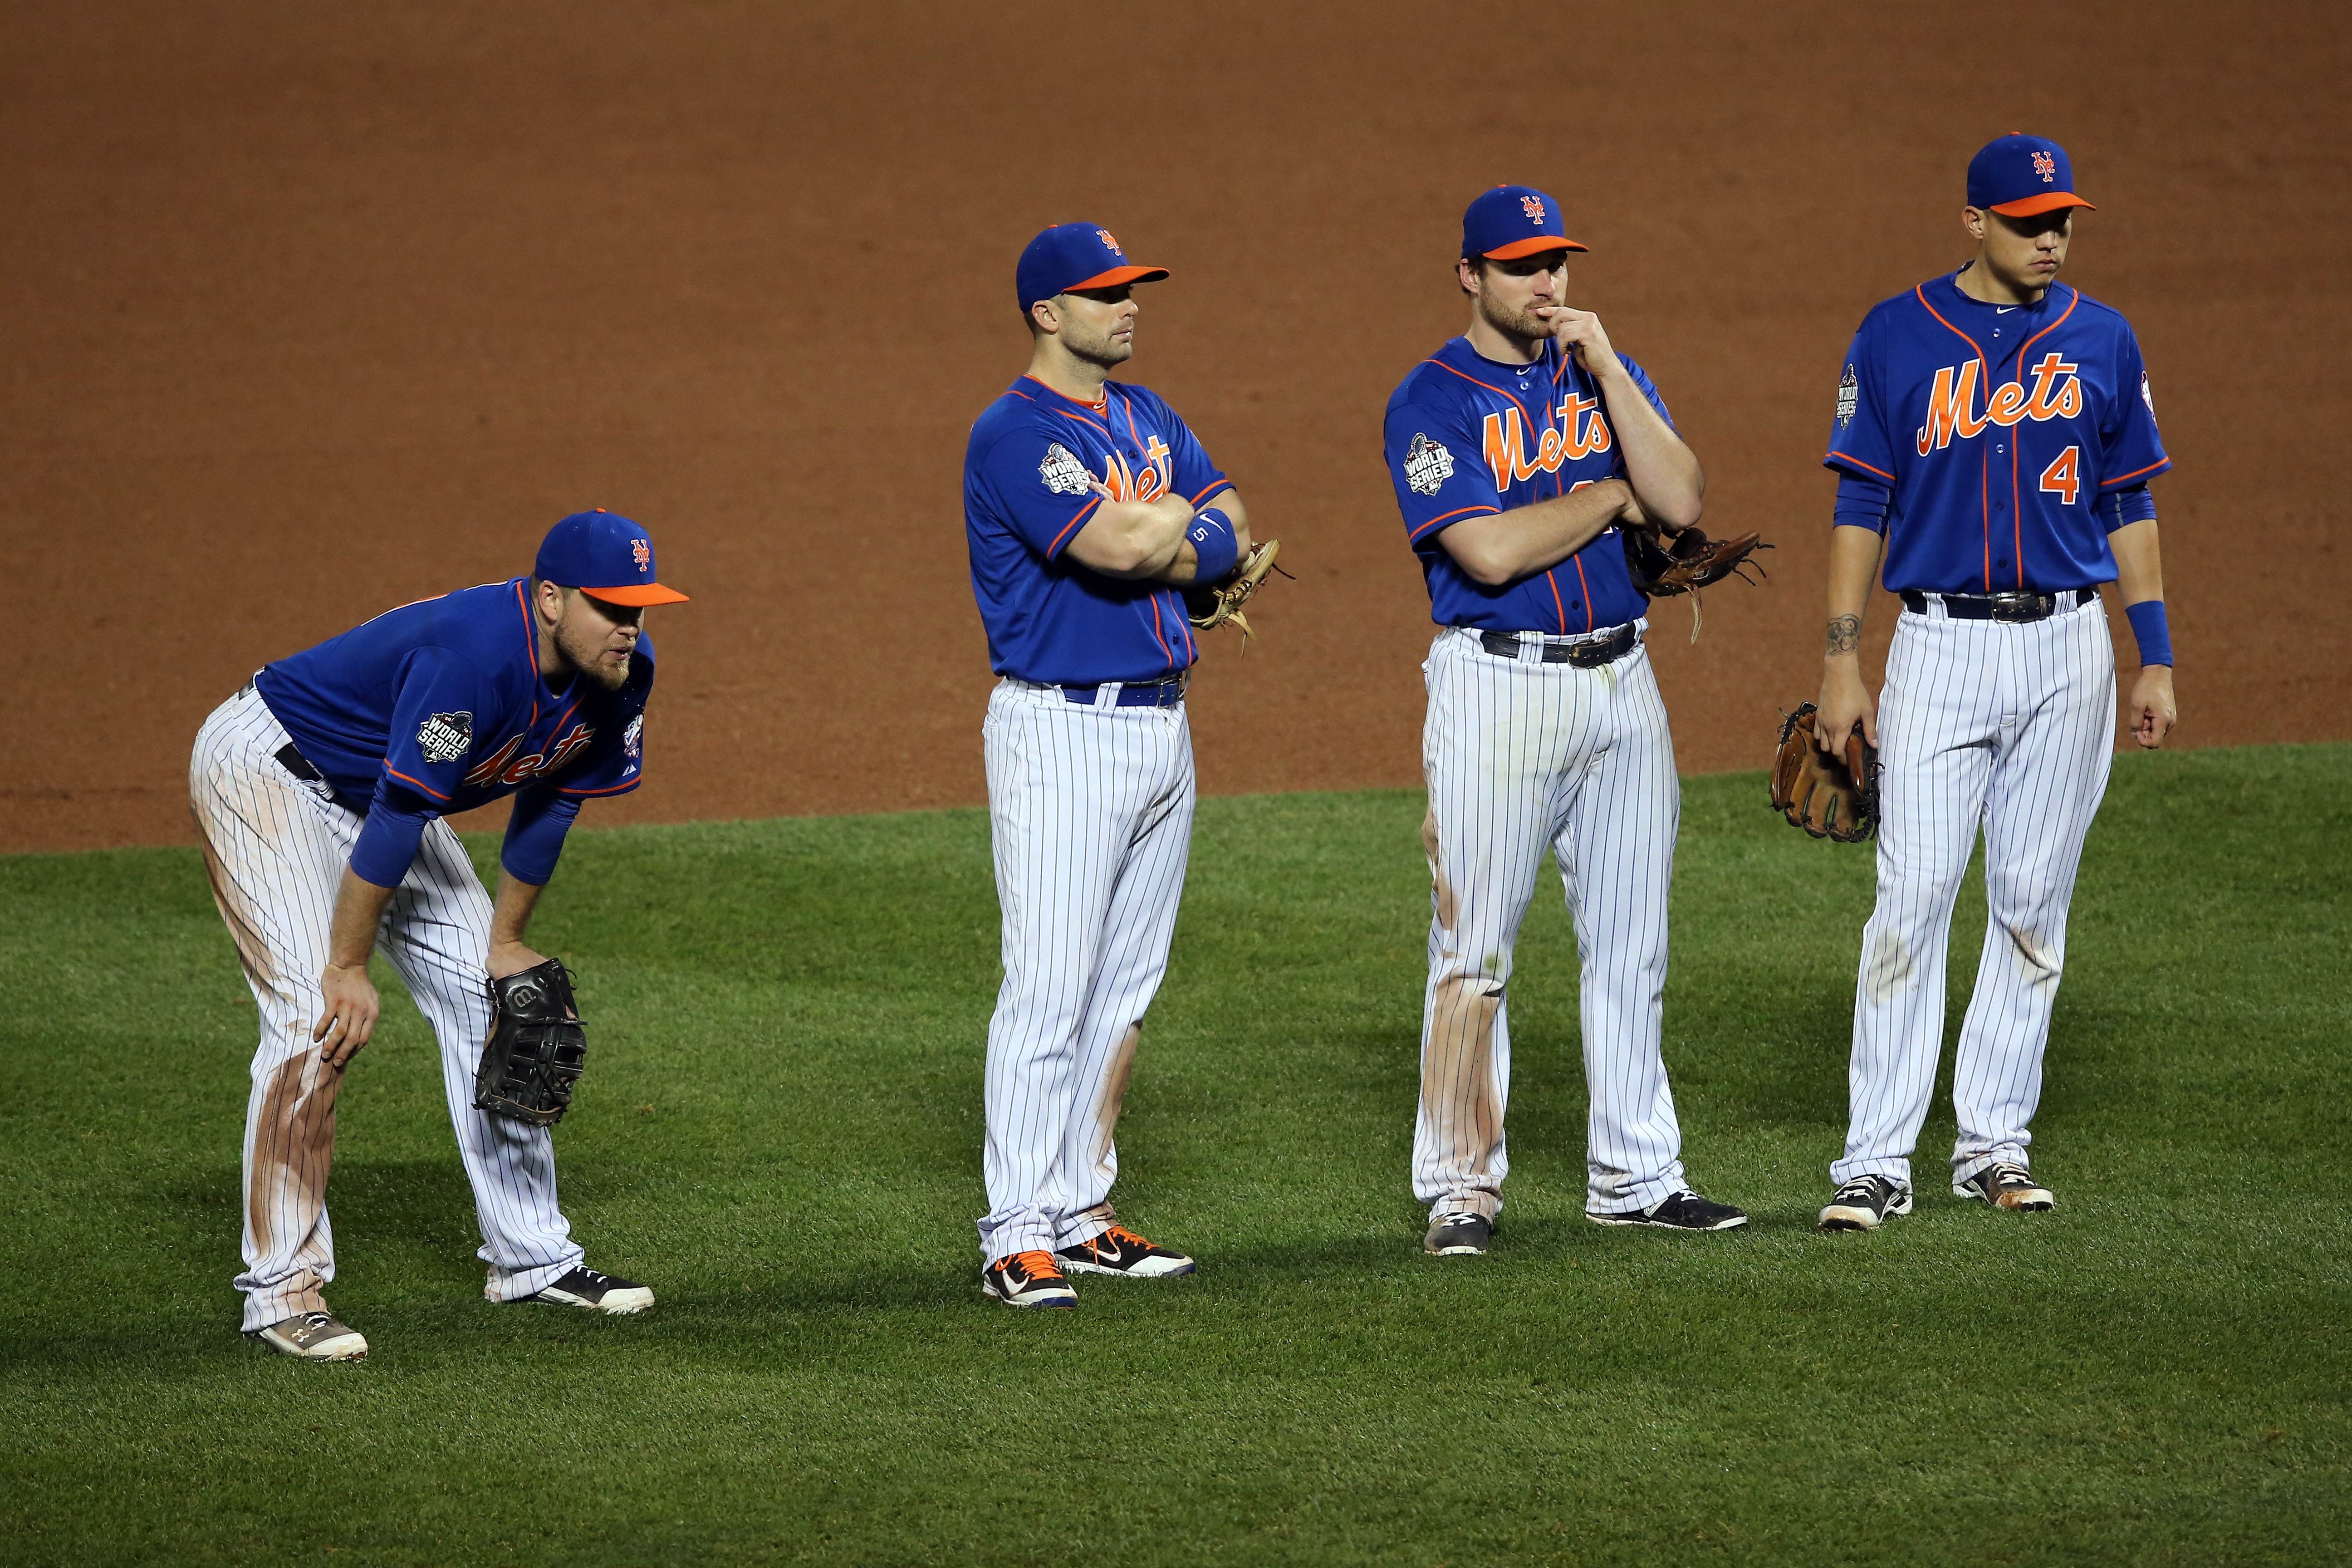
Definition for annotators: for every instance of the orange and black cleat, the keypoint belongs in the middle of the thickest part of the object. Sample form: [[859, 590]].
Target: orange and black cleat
[[1027, 1279], [1120, 1252]]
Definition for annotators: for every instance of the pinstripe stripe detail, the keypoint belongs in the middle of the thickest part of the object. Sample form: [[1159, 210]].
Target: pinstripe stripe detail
[[275, 850], [1523, 758], [1091, 811], [2009, 728]]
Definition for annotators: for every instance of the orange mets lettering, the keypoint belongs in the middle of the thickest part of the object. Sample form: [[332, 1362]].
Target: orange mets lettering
[[495, 769], [1580, 433], [1952, 405], [1124, 484]]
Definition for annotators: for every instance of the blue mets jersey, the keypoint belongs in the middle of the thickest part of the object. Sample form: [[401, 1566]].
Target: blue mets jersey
[[1028, 478], [441, 706], [2009, 435], [1470, 436]]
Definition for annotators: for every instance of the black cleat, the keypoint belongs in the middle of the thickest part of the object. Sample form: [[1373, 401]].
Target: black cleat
[[1120, 1252], [1685, 1210], [1029, 1279], [2006, 1186], [1865, 1203], [1458, 1235], [596, 1293], [313, 1336]]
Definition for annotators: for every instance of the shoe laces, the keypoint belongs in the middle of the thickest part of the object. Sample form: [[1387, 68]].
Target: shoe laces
[[1118, 1236], [1861, 1188], [2005, 1175], [1037, 1264], [317, 1319]]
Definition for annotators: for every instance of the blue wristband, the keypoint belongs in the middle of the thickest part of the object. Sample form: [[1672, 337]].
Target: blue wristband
[[2147, 626], [1212, 533]]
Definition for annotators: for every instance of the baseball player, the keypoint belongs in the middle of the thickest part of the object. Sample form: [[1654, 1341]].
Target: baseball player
[[321, 790], [1518, 451], [1087, 505], [1995, 435]]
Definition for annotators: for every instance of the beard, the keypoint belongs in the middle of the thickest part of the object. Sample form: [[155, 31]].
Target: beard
[[1101, 351], [1518, 322], [585, 658]]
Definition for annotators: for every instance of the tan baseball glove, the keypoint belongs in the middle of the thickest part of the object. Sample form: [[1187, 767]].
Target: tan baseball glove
[[1210, 605], [1663, 564], [1828, 797]]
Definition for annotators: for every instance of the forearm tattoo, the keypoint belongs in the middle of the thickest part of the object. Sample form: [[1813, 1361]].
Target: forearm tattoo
[[1845, 633]]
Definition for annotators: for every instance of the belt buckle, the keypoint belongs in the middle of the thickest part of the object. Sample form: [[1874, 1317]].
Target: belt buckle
[[2017, 607]]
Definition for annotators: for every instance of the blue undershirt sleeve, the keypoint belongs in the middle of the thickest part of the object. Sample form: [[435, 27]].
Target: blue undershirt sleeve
[[1861, 502], [2121, 508], [388, 839], [535, 833]]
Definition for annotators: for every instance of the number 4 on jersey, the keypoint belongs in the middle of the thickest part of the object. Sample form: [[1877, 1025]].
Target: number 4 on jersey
[[2063, 477]]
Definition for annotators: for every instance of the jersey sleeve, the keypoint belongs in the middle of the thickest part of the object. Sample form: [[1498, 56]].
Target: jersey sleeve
[[1860, 444], [441, 703], [543, 815], [1649, 390], [1440, 476], [2133, 449], [614, 763], [1042, 489]]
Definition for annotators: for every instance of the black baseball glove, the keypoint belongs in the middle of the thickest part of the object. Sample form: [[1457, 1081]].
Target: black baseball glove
[[536, 1049]]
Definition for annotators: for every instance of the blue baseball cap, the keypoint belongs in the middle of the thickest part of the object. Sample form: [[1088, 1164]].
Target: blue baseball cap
[[2019, 175], [605, 556], [1076, 256], [1512, 221]]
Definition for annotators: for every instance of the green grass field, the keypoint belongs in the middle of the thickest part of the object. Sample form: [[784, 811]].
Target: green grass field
[[780, 1131]]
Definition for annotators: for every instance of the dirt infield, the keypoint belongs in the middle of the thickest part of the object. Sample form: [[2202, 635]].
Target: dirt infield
[[310, 311]]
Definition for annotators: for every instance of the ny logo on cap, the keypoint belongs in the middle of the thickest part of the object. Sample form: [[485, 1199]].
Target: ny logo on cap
[[643, 552], [2047, 167], [1108, 243], [1534, 207]]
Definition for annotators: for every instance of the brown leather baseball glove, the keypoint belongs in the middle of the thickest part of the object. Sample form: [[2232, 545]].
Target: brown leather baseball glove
[[1210, 605], [1828, 797], [1664, 564]]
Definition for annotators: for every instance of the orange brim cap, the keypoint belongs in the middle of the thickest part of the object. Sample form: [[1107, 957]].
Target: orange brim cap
[[1117, 276], [1534, 246], [2048, 201], [636, 596]]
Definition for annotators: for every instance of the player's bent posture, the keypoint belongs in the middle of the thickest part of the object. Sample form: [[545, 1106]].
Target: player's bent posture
[[1995, 433], [320, 791], [1517, 449], [1087, 504]]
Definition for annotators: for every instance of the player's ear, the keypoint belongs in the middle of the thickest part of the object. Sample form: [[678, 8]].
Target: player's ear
[[1465, 272], [1044, 318], [549, 598], [1974, 222]]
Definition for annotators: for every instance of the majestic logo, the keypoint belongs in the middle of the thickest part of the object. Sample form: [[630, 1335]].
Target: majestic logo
[[1063, 473], [633, 738], [504, 767], [2145, 395], [1952, 408], [2047, 167], [1109, 243], [1849, 397], [1580, 433], [1427, 466], [446, 737], [643, 552], [1533, 207]]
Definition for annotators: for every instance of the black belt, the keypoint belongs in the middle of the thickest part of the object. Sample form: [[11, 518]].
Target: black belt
[[295, 763], [1583, 655], [2003, 606], [1134, 694]]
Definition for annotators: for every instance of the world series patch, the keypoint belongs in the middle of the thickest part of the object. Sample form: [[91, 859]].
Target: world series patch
[[1063, 473], [1427, 466], [446, 737], [633, 738], [1849, 397]]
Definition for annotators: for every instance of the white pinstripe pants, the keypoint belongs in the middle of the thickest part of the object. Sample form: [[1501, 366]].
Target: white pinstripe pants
[[1091, 810], [2010, 726], [1521, 757], [277, 848]]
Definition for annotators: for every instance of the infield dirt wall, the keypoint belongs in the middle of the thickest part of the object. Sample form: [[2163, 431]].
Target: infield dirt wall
[[314, 311]]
